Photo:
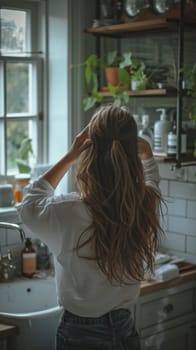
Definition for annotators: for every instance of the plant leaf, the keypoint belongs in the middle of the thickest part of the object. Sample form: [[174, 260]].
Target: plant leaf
[[88, 74], [92, 60], [127, 61], [88, 102], [124, 77], [111, 57], [113, 89]]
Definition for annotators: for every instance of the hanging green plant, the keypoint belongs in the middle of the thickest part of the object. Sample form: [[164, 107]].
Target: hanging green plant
[[92, 64]]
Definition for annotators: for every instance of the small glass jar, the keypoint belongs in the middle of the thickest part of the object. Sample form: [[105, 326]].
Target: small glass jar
[[21, 180]]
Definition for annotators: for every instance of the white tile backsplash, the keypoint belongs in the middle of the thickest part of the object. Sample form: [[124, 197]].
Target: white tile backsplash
[[185, 190], [174, 241], [192, 174], [176, 206], [191, 245], [166, 172], [191, 209], [182, 225], [181, 218]]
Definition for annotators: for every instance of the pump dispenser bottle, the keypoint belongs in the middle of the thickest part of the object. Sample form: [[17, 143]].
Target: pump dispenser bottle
[[161, 130], [28, 257]]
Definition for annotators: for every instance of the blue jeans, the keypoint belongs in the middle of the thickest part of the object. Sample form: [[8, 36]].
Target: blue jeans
[[112, 331]]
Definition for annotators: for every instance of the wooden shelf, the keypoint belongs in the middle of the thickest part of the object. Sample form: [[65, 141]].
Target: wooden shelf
[[128, 27], [148, 20], [186, 159], [118, 30], [145, 93]]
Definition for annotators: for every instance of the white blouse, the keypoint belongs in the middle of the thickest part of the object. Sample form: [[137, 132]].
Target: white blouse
[[58, 221]]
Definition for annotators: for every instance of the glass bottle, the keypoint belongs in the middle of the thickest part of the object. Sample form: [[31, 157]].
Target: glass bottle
[[21, 180], [29, 261], [172, 141]]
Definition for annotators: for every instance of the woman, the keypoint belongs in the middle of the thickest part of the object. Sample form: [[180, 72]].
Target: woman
[[104, 237]]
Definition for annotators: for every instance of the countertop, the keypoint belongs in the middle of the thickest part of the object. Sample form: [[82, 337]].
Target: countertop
[[154, 286]]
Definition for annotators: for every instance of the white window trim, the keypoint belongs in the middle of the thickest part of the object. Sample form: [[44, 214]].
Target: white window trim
[[37, 114]]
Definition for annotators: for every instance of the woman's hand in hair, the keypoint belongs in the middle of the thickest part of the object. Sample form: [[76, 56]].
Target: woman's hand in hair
[[56, 172], [144, 149], [80, 143]]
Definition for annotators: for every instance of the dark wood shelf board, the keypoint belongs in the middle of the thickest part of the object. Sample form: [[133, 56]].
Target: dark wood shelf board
[[185, 160], [116, 30], [145, 93]]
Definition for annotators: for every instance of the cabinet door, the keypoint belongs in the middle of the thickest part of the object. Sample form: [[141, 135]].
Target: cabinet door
[[167, 308], [179, 338], [3, 345], [192, 336]]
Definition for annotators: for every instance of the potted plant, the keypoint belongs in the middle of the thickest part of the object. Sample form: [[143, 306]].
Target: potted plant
[[111, 65], [116, 85], [115, 68], [138, 75]]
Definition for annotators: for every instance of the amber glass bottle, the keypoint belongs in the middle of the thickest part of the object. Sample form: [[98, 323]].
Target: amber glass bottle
[[21, 181], [28, 259]]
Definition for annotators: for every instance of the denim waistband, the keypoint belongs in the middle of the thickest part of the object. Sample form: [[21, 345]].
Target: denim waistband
[[108, 318]]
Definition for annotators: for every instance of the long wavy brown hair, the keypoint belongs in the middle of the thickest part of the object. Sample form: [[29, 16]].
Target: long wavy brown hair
[[125, 222]]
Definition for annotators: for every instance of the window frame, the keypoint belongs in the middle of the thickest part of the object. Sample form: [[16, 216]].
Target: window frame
[[31, 56]]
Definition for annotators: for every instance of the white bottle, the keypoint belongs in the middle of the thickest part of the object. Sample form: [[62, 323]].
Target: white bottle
[[172, 141], [145, 132], [161, 130]]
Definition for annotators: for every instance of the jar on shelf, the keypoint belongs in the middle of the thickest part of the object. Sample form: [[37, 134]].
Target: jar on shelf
[[21, 180]]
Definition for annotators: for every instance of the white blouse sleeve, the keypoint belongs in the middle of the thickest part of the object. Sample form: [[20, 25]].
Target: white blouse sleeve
[[151, 173], [46, 215]]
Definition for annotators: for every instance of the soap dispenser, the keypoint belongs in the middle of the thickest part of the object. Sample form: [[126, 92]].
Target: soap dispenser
[[29, 259], [161, 130]]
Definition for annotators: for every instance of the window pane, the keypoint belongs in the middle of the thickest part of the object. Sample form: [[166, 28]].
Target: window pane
[[17, 131], [1, 91], [13, 31], [2, 160], [19, 76]]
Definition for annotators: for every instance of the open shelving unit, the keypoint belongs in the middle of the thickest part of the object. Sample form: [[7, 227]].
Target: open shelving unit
[[183, 15]]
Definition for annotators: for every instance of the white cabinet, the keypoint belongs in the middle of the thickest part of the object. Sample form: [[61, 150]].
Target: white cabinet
[[166, 320], [176, 338]]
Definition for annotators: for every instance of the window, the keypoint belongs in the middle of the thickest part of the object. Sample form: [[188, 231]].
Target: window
[[20, 82]]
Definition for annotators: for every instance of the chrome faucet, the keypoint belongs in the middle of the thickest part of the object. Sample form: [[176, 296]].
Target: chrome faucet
[[14, 227], [7, 263]]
